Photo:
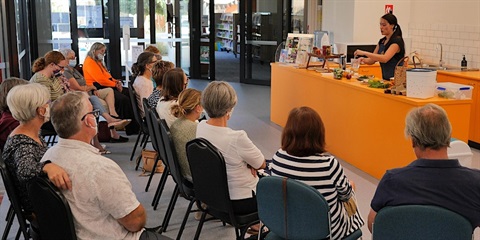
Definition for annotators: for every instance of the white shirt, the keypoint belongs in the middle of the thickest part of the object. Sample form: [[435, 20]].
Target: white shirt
[[144, 88], [101, 193], [164, 110], [238, 151]]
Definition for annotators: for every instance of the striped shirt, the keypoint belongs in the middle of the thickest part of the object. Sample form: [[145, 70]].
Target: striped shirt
[[324, 173]]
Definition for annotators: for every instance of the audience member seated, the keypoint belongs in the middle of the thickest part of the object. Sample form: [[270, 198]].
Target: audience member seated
[[48, 72], [142, 71], [102, 201], [187, 111], [7, 122], [158, 71], [432, 179], [174, 82], [77, 83], [303, 157], [242, 157], [29, 104], [153, 49], [96, 74]]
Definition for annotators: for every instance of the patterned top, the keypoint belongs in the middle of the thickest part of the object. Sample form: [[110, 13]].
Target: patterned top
[[154, 97], [324, 173], [101, 193], [183, 131], [22, 157], [54, 85]]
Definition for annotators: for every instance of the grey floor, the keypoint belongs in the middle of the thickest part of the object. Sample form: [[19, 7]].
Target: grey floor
[[252, 114]]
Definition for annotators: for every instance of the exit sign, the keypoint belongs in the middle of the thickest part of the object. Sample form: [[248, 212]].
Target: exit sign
[[389, 8]]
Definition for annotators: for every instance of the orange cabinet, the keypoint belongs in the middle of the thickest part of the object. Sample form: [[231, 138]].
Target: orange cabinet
[[463, 78]]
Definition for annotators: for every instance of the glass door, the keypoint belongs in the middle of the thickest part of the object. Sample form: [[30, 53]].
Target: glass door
[[262, 30]]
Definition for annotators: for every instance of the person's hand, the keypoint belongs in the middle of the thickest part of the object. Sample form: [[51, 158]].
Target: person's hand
[[119, 86], [358, 52], [253, 171], [95, 92], [58, 176], [361, 60], [91, 88]]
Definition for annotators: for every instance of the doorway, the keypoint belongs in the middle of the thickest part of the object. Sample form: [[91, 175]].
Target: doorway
[[219, 29]]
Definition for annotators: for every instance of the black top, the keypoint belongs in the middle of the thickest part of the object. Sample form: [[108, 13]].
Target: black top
[[388, 68], [443, 183]]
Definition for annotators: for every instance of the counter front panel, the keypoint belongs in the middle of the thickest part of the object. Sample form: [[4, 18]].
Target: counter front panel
[[364, 126]]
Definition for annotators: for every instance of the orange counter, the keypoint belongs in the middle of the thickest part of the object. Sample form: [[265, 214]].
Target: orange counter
[[363, 125]]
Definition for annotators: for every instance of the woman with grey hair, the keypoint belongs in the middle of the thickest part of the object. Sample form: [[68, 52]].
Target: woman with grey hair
[[242, 157], [29, 104], [96, 74]]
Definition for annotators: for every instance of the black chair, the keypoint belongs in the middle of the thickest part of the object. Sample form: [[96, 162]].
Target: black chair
[[48, 133], [157, 143], [211, 188], [52, 210], [182, 186], [143, 133], [15, 205]]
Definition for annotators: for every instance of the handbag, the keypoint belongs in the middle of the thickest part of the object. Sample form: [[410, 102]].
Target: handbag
[[103, 132], [148, 158], [351, 206], [400, 74]]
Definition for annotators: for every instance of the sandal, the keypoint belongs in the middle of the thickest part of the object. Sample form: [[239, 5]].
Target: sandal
[[104, 152], [120, 124]]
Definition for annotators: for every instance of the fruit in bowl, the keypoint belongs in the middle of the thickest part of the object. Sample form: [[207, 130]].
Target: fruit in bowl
[[337, 73]]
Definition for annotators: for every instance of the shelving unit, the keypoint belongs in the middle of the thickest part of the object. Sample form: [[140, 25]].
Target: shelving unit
[[262, 30], [225, 31]]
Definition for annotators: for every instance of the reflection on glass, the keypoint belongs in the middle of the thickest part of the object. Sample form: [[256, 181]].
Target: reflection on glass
[[60, 24], [298, 16]]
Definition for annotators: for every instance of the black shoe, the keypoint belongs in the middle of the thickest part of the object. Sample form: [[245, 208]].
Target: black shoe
[[120, 139]]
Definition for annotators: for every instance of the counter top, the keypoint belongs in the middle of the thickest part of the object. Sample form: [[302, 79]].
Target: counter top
[[473, 75]]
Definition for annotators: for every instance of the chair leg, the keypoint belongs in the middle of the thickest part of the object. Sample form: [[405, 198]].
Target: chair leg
[[161, 186], [152, 173], [170, 208], [135, 145], [200, 225], [189, 209], [10, 217], [145, 140]]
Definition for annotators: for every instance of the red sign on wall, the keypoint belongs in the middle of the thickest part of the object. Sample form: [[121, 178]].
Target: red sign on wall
[[389, 8]]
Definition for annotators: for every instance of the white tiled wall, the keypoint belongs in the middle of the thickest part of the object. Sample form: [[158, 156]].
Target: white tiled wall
[[457, 40]]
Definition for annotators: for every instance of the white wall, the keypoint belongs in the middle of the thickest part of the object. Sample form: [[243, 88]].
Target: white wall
[[454, 23]]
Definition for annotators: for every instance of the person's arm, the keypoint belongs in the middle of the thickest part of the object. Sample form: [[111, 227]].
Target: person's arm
[[93, 72], [57, 175], [135, 220], [383, 58], [27, 165], [249, 152], [371, 219], [341, 182]]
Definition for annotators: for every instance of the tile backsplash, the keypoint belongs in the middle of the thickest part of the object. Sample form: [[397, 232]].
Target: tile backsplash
[[457, 40]]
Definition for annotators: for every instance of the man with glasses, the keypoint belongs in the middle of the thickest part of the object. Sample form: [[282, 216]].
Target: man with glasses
[[101, 200]]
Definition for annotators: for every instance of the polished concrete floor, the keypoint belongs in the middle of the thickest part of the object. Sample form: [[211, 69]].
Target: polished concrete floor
[[252, 114]]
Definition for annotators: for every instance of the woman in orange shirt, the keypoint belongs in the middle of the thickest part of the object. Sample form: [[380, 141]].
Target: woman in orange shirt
[[95, 73]]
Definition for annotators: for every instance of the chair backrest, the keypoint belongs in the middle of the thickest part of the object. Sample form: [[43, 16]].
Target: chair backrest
[[148, 120], [420, 222], [209, 175], [52, 210], [291, 209], [14, 198], [158, 134], [136, 111], [172, 159]]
